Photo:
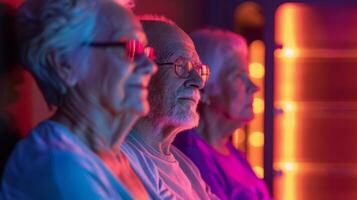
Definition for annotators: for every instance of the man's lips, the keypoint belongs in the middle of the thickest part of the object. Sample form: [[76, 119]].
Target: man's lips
[[193, 99]]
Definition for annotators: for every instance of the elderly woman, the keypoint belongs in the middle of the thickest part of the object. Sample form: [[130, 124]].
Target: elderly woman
[[89, 60], [226, 104]]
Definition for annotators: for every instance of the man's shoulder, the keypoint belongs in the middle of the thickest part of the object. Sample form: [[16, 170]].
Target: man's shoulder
[[133, 149], [193, 174], [186, 164], [139, 158]]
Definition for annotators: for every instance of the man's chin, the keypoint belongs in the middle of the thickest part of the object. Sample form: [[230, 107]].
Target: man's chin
[[189, 121]]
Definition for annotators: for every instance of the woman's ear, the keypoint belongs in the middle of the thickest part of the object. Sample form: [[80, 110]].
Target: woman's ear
[[63, 67]]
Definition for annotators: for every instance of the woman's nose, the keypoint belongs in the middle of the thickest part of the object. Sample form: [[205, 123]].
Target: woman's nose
[[252, 88], [145, 65]]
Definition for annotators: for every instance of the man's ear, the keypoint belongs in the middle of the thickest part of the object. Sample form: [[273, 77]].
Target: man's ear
[[63, 68]]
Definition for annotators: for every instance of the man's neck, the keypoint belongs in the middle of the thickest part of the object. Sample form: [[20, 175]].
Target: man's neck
[[158, 136]]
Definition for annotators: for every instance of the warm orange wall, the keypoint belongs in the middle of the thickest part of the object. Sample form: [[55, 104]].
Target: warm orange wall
[[316, 87]]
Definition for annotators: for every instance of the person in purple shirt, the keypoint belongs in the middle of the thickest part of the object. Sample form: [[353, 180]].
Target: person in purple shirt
[[226, 104]]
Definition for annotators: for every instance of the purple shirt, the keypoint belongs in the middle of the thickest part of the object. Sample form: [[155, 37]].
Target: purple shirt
[[229, 176]]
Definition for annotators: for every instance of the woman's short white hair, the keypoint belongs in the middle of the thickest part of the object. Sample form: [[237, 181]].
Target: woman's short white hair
[[214, 46], [44, 26]]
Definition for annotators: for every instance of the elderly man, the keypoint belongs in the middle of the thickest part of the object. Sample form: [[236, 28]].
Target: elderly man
[[88, 58], [173, 98]]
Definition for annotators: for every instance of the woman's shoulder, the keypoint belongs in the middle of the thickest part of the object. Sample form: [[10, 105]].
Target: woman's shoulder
[[46, 147], [190, 139], [57, 163], [49, 135]]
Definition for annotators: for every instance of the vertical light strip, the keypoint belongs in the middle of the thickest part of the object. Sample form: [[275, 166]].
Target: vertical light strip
[[286, 84], [255, 135]]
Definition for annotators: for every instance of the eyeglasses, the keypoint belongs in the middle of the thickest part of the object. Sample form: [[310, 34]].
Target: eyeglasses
[[185, 69], [133, 48]]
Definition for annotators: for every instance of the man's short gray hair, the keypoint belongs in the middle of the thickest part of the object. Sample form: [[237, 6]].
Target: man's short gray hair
[[160, 18], [166, 37]]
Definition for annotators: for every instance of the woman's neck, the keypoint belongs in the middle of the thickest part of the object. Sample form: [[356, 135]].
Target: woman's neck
[[96, 127], [216, 130]]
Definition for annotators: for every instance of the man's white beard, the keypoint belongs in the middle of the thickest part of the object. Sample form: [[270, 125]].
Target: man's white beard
[[175, 116], [187, 118]]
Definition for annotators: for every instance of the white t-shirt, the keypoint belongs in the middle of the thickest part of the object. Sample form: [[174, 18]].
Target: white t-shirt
[[171, 176], [52, 163]]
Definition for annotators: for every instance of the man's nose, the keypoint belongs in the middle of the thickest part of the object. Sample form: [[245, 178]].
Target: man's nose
[[195, 80]]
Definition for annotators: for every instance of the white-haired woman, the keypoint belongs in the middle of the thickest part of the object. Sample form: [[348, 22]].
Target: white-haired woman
[[89, 60], [226, 104]]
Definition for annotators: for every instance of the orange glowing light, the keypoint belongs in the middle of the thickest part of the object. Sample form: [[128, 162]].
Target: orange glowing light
[[288, 192], [258, 105], [256, 70], [287, 34], [256, 139], [289, 107], [289, 52], [256, 51], [288, 124], [238, 137], [259, 171], [289, 166]]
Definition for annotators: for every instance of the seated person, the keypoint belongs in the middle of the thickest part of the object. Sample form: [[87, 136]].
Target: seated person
[[173, 97], [88, 59], [226, 104]]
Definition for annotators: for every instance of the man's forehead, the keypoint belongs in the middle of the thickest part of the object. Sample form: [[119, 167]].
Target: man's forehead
[[185, 55], [176, 48]]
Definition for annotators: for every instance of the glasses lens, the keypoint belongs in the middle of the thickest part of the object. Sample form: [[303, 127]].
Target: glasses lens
[[184, 70], [134, 48], [150, 53], [180, 70], [189, 67], [205, 72]]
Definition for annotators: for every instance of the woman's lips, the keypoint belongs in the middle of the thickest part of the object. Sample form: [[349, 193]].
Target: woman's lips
[[138, 86]]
